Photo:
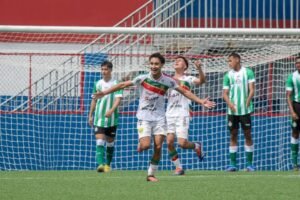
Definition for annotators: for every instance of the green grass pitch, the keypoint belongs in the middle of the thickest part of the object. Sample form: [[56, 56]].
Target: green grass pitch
[[73, 185]]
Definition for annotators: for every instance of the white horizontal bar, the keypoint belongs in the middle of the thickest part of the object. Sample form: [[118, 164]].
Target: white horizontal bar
[[138, 30]]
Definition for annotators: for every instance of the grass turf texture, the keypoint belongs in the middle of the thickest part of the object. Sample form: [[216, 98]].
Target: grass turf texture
[[131, 185]]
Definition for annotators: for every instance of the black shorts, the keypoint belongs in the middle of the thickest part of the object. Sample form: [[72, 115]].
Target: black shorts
[[296, 123], [235, 120], [108, 131]]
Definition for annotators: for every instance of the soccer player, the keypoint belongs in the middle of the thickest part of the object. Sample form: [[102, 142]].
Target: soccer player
[[238, 91], [178, 112], [151, 111], [293, 100], [105, 118]]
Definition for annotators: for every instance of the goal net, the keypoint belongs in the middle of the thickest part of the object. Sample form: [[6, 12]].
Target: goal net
[[47, 81]]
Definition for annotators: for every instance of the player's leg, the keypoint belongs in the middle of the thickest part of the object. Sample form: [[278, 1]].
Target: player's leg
[[159, 132], [246, 126], [233, 125], [295, 137], [110, 146], [171, 145], [295, 149], [182, 127], [100, 142], [144, 131]]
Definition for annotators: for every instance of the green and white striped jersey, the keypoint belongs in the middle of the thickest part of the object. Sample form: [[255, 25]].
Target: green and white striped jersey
[[237, 82], [105, 103], [293, 84]]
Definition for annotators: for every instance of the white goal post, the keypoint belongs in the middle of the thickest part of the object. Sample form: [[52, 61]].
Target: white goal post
[[48, 75]]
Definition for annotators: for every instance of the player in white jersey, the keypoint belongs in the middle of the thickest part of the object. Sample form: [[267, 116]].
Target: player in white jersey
[[238, 91], [293, 100], [178, 112], [105, 120], [151, 111]]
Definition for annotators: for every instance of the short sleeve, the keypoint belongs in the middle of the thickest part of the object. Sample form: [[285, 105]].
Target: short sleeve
[[289, 83], [250, 75], [192, 80], [119, 93], [139, 79], [226, 82]]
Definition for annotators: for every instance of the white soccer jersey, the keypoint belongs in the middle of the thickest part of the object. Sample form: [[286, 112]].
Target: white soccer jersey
[[105, 103], [177, 103], [152, 101]]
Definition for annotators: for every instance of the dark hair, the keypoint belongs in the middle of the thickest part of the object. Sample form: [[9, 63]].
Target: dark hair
[[107, 64], [235, 55], [159, 56], [185, 60]]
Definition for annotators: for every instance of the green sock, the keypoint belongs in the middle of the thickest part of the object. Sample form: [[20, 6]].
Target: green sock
[[233, 159], [249, 158], [173, 155], [100, 155], [295, 148], [109, 154], [154, 162]]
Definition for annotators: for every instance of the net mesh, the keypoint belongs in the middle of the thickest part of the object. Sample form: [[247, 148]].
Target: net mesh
[[47, 82]]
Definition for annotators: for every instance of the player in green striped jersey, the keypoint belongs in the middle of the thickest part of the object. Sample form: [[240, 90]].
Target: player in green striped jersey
[[238, 91], [293, 100], [105, 120]]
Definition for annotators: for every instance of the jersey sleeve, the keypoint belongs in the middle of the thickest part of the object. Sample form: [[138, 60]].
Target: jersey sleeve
[[289, 83], [94, 89], [250, 75], [226, 82], [139, 79], [192, 80], [173, 84], [119, 93]]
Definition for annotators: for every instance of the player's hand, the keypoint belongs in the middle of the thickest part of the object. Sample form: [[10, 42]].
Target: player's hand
[[108, 113], [232, 107], [91, 121], [294, 116], [198, 64], [98, 95], [208, 104]]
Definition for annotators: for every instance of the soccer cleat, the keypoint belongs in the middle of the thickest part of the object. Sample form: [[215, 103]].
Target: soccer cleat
[[100, 168], [107, 168], [296, 167], [179, 171], [152, 178], [250, 168], [199, 151], [231, 168]]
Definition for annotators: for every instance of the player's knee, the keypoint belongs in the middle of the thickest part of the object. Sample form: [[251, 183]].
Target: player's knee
[[144, 146], [183, 144]]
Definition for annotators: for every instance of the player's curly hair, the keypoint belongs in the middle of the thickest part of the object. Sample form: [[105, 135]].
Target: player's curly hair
[[159, 56]]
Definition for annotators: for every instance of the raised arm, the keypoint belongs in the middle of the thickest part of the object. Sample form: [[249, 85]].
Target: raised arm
[[114, 88], [201, 79], [188, 94]]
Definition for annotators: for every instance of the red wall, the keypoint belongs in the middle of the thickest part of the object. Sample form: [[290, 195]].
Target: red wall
[[66, 12]]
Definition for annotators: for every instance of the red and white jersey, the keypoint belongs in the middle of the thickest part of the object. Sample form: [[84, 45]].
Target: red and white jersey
[[152, 101], [177, 103]]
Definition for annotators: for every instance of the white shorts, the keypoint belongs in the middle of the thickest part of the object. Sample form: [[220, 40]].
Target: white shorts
[[149, 128], [178, 126]]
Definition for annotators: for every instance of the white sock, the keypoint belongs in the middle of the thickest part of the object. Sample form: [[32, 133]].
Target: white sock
[[177, 163], [152, 169]]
